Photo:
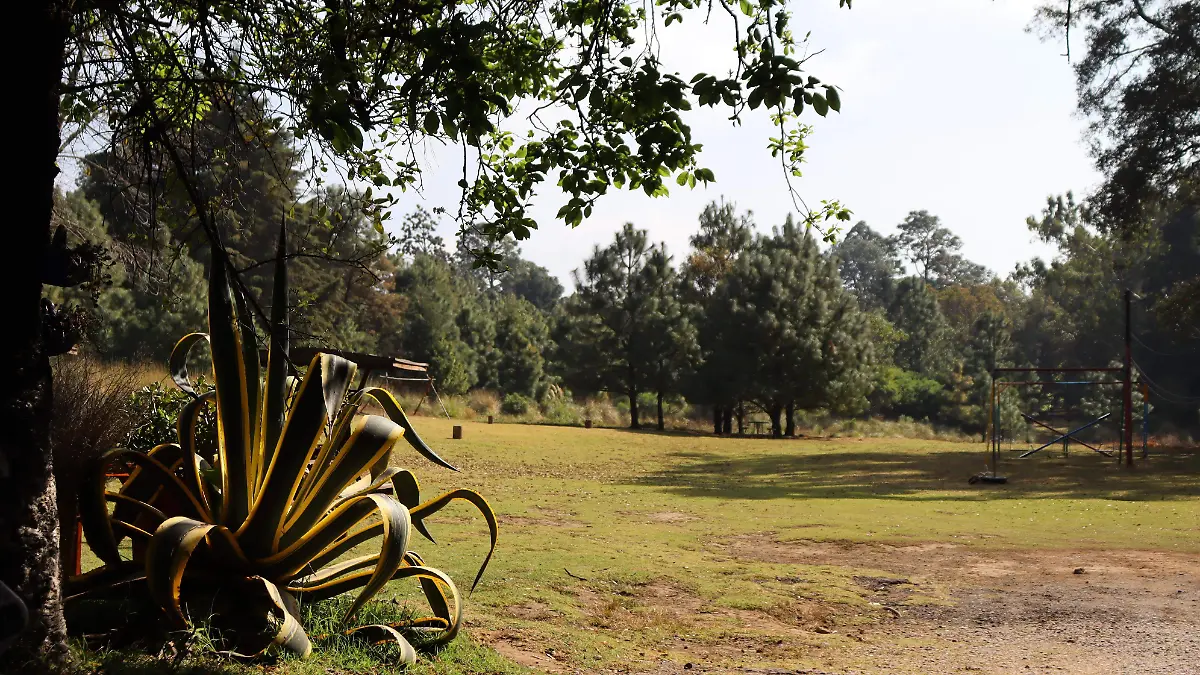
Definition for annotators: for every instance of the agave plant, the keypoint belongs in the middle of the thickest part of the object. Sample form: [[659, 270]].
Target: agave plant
[[300, 478]]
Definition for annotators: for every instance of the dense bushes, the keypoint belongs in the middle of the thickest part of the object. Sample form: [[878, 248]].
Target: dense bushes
[[157, 407]]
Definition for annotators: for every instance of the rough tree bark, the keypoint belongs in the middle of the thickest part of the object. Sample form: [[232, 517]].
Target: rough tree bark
[[28, 514], [662, 425], [790, 428], [727, 423], [634, 422], [718, 417]]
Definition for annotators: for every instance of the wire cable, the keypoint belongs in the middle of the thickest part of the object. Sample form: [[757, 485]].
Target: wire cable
[[1162, 391], [1186, 352]]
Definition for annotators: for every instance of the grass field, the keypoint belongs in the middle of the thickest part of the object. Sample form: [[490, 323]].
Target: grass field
[[640, 552]]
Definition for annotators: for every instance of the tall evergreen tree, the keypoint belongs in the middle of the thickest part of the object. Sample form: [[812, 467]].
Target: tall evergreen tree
[[926, 348], [606, 326], [868, 266], [669, 348], [431, 331], [794, 329], [522, 343], [724, 235]]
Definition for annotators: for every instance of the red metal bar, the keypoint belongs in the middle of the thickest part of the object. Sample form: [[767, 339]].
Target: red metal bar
[[78, 546], [1057, 370], [1057, 382], [122, 476]]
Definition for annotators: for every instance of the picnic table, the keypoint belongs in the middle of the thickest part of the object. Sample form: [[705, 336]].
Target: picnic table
[[759, 426]]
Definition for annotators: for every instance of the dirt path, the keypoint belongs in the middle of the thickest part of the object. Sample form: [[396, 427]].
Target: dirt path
[[1066, 611], [953, 609]]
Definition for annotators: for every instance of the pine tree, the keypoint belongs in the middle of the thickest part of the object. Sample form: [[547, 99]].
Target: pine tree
[[925, 348], [724, 235], [669, 348], [793, 329], [605, 327]]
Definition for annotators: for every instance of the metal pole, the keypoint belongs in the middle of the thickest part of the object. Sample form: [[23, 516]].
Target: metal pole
[[1145, 421], [1068, 434], [1127, 436], [995, 419]]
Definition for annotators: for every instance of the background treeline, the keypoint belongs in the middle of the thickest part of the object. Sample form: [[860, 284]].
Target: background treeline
[[748, 322]]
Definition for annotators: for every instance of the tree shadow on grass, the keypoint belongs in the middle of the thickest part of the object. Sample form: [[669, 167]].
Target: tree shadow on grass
[[940, 475]]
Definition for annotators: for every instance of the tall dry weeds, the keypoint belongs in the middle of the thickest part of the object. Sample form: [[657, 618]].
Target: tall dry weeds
[[92, 413]]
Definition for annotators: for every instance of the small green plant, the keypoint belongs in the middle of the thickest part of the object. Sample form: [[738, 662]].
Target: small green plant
[[299, 479], [157, 408], [516, 405]]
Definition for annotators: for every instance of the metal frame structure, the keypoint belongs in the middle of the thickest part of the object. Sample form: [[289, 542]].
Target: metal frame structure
[[998, 386], [1126, 382]]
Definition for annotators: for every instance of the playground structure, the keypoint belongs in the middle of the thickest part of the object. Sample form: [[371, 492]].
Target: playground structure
[[1125, 381]]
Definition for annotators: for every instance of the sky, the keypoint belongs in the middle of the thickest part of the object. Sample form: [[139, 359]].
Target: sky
[[947, 105]]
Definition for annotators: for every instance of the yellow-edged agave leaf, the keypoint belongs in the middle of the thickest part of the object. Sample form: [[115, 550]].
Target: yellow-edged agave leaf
[[248, 341], [236, 413], [436, 504], [439, 604], [393, 547], [177, 363], [349, 582], [170, 550], [185, 428], [327, 377], [342, 426], [275, 391], [346, 543], [407, 489], [378, 634], [298, 557], [304, 479], [153, 480], [392, 409], [142, 485], [371, 438], [364, 485], [290, 633]]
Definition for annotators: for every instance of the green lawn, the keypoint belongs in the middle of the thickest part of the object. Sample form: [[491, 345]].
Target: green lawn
[[619, 547]]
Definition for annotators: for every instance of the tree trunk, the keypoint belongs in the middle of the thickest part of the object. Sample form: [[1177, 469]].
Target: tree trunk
[[634, 423], [718, 418], [775, 412], [727, 422], [790, 430], [28, 512], [741, 418], [662, 426]]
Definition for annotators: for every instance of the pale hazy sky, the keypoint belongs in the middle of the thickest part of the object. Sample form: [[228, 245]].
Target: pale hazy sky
[[947, 105]]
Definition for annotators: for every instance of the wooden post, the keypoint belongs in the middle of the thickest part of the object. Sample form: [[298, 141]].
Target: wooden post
[[457, 432], [489, 419]]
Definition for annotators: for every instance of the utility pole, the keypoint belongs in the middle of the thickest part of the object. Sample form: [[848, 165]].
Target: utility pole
[[1127, 390]]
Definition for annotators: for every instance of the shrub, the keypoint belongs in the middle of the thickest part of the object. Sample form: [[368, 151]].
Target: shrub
[[92, 413], [157, 408], [516, 405], [484, 402], [561, 411]]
